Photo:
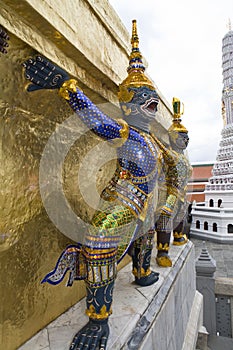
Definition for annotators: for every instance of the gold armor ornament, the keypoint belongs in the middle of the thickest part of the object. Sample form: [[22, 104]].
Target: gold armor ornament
[[172, 196]]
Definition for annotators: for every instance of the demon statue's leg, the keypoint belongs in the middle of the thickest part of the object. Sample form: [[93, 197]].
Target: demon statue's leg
[[101, 273], [179, 237], [141, 257], [164, 227]]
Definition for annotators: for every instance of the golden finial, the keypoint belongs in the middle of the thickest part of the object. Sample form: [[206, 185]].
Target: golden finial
[[176, 123], [176, 108], [136, 77], [135, 38]]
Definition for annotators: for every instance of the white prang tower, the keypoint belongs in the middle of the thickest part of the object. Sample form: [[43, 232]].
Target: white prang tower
[[214, 220]]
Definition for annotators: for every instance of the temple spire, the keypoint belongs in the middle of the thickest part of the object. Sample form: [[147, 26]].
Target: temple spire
[[229, 24], [134, 39]]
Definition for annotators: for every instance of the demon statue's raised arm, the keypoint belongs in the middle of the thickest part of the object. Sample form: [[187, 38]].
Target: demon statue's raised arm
[[3, 40], [172, 204], [125, 218]]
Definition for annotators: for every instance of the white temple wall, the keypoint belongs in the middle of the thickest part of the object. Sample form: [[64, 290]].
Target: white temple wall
[[214, 223], [220, 199]]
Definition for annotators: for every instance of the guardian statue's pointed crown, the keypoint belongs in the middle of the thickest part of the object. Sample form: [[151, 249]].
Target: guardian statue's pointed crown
[[176, 122], [136, 77]]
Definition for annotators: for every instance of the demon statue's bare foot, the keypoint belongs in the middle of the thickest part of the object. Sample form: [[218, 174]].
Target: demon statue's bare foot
[[94, 335], [179, 238], [163, 259], [147, 280]]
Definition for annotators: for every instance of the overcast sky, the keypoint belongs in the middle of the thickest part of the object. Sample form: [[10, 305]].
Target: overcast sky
[[182, 42]]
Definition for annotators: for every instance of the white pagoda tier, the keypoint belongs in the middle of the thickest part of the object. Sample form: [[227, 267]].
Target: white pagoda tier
[[213, 220]]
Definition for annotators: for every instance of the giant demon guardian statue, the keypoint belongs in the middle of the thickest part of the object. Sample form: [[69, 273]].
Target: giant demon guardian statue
[[172, 204], [125, 219]]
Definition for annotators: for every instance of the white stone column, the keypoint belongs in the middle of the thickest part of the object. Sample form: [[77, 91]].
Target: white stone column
[[205, 269]]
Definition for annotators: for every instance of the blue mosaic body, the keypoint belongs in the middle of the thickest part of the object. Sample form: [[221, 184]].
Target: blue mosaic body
[[139, 153]]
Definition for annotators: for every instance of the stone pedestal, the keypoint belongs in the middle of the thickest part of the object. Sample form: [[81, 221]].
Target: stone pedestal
[[174, 314], [205, 268], [166, 315]]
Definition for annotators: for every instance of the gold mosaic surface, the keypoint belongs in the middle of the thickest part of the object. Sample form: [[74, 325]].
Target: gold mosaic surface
[[29, 242]]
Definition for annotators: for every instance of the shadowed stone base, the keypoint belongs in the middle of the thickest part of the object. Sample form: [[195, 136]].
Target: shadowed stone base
[[213, 237], [174, 314], [165, 315], [220, 343]]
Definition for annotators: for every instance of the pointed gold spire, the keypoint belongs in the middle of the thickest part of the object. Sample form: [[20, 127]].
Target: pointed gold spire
[[134, 38], [136, 77], [135, 58]]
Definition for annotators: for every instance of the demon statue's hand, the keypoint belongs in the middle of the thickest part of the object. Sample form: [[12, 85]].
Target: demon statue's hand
[[43, 74], [93, 335], [3, 40]]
